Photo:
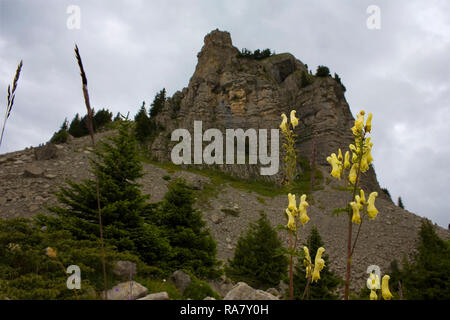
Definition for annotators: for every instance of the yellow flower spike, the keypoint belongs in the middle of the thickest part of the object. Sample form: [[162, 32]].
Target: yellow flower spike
[[283, 125], [385, 292], [302, 209], [359, 124], [356, 218], [373, 295], [51, 253], [352, 174], [291, 221], [371, 210], [364, 163], [368, 127], [319, 264], [346, 160], [362, 196], [292, 204], [340, 155], [335, 166], [307, 262], [294, 120]]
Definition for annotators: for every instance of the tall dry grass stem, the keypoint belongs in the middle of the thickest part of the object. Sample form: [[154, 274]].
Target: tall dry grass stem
[[10, 98], [89, 123]]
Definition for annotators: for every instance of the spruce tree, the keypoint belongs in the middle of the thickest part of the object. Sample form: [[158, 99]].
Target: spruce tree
[[158, 103], [428, 275], [142, 128], [259, 259], [400, 203], [193, 248], [324, 289], [122, 204]]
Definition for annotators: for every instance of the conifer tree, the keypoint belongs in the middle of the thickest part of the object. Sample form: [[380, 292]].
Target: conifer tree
[[400, 203], [142, 129], [259, 258], [428, 275], [122, 203], [323, 289], [193, 247], [158, 103]]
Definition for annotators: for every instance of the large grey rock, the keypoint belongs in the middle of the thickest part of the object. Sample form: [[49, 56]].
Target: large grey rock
[[125, 269], [243, 291], [156, 296], [130, 290], [181, 280], [33, 171], [45, 152]]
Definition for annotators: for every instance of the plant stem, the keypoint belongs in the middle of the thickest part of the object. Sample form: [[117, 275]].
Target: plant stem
[[291, 278], [350, 227]]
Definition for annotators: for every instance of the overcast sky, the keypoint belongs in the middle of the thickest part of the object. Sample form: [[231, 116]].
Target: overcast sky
[[133, 48]]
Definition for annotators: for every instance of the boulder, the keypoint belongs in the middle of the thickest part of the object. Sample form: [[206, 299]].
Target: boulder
[[243, 291], [32, 171], [130, 290], [45, 152], [125, 269], [156, 296], [181, 280]]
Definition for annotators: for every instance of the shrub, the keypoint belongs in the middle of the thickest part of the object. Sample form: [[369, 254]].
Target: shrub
[[62, 135], [257, 54], [322, 71], [26, 272], [258, 259], [199, 290]]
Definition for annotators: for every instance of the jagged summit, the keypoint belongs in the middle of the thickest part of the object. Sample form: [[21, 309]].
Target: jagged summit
[[228, 90]]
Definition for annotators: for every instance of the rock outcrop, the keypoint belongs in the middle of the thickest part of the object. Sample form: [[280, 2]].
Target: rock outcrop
[[228, 91]]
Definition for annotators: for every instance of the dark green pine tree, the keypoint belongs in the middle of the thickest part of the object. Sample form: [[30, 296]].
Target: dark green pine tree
[[400, 203], [428, 275], [76, 128], [158, 103], [259, 259], [142, 129], [122, 203], [325, 288], [193, 248]]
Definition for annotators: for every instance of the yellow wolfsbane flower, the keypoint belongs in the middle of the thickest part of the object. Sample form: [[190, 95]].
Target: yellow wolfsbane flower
[[371, 210], [51, 253], [369, 123], [336, 166], [359, 124], [352, 174], [283, 125], [294, 120], [319, 264], [340, 155], [385, 292], [356, 217], [346, 160], [362, 196], [302, 209], [292, 204], [373, 295], [307, 261], [373, 282], [291, 221]]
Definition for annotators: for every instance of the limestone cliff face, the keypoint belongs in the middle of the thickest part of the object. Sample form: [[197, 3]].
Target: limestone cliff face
[[228, 91]]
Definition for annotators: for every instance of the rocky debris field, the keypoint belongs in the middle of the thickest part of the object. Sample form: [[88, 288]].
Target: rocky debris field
[[27, 186]]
